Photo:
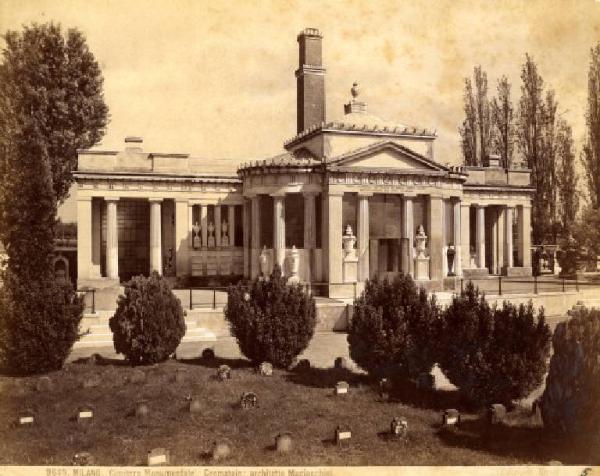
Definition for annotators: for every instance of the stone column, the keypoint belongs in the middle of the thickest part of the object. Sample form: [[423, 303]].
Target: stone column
[[508, 238], [408, 231], [112, 238], [310, 230], [465, 235], [218, 224], [500, 238], [84, 238], [493, 225], [279, 229], [155, 235], [190, 222], [182, 237], [436, 243], [334, 237], [456, 236], [525, 235], [246, 236], [362, 234], [204, 224], [231, 225], [480, 235], [255, 237]]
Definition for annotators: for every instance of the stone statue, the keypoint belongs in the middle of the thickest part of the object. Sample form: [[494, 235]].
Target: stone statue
[[263, 260], [196, 241], [224, 236], [348, 241], [420, 241], [211, 238], [294, 264]]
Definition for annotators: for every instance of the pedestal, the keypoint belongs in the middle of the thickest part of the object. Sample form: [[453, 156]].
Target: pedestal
[[422, 268], [350, 270]]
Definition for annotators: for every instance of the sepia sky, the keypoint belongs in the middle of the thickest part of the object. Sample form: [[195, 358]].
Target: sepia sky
[[216, 78]]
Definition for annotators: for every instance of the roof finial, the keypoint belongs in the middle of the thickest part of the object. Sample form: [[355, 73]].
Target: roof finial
[[355, 90]]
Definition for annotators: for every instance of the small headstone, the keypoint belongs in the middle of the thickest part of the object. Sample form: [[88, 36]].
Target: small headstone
[[208, 354], [265, 369], [425, 381], [224, 373], [180, 375], [283, 442], [141, 409], [159, 457], [85, 414], [44, 384], [195, 405], [137, 376], [343, 434], [450, 417], [342, 363], [26, 418], [385, 388], [91, 381], [248, 400], [221, 450], [496, 414], [341, 388], [399, 428], [83, 459]]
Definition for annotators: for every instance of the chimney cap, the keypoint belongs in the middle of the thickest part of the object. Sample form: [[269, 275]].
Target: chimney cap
[[133, 139], [314, 32]]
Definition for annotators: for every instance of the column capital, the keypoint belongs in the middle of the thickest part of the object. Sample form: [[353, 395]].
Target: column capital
[[112, 199], [365, 194], [181, 200], [84, 199], [278, 195], [409, 196], [310, 193], [155, 199], [334, 193]]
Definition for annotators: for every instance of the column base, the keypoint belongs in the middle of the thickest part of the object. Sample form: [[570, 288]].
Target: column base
[[517, 271], [475, 273]]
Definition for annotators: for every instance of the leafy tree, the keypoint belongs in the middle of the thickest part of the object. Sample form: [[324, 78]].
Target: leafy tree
[[393, 329], [568, 194], [476, 129], [587, 229], [503, 123], [591, 149], [271, 320], [54, 80]]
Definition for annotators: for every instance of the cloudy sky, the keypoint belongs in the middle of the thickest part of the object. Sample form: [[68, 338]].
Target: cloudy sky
[[216, 78]]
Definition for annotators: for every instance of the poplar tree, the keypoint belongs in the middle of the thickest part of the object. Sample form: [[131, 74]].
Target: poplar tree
[[591, 149], [567, 178], [475, 131], [503, 123]]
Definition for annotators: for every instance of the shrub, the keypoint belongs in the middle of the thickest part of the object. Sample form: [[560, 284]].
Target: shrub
[[39, 323], [148, 324], [493, 355], [393, 329], [570, 403], [271, 320]]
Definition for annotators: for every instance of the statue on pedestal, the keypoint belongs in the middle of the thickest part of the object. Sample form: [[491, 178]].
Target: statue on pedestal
[[263, 261], [211, 238], [196, 241], [294, 264], [421, 260], [224, 236], [420, 241]]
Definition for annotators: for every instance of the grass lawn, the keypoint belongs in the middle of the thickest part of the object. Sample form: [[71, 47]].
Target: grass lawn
[[302, 404]]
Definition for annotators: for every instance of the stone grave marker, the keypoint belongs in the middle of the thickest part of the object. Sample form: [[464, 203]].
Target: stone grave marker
[[85, 415], [343, 434], [265, 369], [195, 405], [341, 388], [450, 417], [283, 442], [83, 459], [141, 409], [91, 381], [384, 388], [496, 413], [399, 428], [221, 449], [180, 375], [159, 457], [224, 373], [248, 400], [26, 418]]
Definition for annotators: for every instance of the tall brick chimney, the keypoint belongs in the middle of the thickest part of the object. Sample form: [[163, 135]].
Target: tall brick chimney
[[310, 77]]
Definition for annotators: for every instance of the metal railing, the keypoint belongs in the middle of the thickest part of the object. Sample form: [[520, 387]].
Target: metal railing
[[525, 285]]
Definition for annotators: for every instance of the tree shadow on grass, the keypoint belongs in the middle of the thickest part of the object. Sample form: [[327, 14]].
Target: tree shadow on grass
[[408, 393], [216, 362], [97, 359], [526, 443], [325, 378]]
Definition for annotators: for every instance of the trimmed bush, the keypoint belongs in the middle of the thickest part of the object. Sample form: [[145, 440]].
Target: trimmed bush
[[39, 323], [571, 401], [271, 320], [148, 324], [493, 355], [393, 329]]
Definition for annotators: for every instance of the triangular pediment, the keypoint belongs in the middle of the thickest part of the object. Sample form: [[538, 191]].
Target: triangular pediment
[[387, 155]]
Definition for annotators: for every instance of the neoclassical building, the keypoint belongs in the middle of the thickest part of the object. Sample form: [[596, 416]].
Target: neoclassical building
[[347, 199]]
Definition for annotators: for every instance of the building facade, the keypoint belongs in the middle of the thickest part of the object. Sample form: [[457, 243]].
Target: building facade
[[346, 200]]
